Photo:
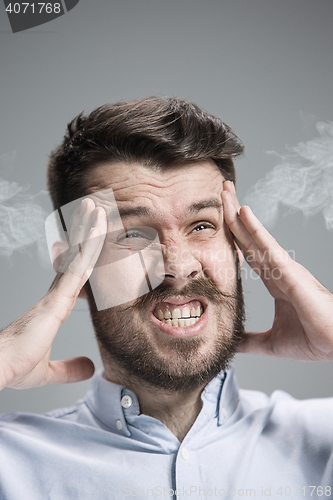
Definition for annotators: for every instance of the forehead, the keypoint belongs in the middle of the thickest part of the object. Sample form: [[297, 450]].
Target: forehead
[[134, 184]]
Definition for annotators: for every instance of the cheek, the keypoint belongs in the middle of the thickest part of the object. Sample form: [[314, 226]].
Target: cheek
[[218, 263]]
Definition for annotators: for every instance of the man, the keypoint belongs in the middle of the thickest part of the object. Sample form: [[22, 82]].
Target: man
[[165, 417]]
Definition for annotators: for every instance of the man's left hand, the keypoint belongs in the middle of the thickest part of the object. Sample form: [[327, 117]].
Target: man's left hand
[[303, 322]]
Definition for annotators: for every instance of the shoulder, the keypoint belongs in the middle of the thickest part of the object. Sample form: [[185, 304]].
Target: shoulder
[[281, 414], [281, 402], [22, 421]]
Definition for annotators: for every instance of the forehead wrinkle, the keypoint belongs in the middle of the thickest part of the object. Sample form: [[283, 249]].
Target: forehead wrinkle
[[142, 211]]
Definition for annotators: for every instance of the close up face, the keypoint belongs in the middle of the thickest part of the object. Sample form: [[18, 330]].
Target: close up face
[[190, 319]]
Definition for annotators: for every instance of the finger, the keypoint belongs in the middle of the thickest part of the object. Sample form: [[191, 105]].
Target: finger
[[78, 232], [69, 284], [243, 239], [84, 262], [230, 188], [255, 257], [272, 252], [251, 259], [257, 242], [70, 370], [82, 222], [236, 226], [233, 210]]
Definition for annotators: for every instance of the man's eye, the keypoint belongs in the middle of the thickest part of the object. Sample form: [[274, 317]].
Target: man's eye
[[200, 227], [136, 238], [129, 235], [134, 235]]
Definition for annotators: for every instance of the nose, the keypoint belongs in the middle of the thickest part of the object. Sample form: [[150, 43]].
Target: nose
[[181, 265]]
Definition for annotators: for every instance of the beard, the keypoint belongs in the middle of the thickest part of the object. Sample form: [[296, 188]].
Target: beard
[[124, 342]]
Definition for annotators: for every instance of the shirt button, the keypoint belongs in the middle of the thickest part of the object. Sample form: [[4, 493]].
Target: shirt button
[[126, 401], [119, 425], [184, 453], [224, 412]]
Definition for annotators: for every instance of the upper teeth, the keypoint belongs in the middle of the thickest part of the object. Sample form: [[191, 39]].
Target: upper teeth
[[177, 313]]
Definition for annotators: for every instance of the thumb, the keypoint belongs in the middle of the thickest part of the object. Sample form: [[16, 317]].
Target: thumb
[[70, 370]]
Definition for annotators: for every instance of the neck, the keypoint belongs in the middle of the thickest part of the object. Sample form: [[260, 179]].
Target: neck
[[176, 410]]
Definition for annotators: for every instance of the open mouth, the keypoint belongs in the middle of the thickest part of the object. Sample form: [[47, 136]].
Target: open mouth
[[179, 315]]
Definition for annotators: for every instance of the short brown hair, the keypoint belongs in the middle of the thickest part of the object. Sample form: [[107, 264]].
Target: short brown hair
[[158, 132]]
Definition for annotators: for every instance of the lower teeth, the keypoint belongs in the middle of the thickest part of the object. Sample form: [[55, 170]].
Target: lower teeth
[[181, 322]]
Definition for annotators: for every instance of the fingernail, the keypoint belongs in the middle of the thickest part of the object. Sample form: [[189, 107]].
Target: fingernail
[[233, 187]]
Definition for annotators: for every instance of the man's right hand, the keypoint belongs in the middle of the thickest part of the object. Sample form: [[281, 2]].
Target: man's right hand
[[25, 345]]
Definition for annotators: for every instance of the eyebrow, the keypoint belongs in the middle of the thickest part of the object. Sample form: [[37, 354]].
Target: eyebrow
[[210, 203], [124, 213], [141, 211]]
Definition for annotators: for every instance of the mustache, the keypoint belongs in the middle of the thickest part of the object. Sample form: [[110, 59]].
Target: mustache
[[202, 286]]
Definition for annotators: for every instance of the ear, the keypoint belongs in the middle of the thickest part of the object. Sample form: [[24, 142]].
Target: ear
[[58, 250]]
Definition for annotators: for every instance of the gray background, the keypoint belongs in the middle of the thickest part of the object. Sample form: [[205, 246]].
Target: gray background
[[260, 65]]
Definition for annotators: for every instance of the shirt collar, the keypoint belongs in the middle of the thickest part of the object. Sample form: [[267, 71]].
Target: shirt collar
[[113, 404], [104, 399], [229, 397]]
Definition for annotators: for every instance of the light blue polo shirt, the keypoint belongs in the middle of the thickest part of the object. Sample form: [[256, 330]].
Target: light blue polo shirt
[[243, 444]]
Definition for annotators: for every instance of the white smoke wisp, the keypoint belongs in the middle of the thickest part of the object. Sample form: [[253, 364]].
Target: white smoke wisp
[[302, 181], [22, 220]]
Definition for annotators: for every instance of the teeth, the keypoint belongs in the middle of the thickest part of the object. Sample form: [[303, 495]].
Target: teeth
[[181, 322], [180, 317], [176, 313], [167, 314], [186, 312]]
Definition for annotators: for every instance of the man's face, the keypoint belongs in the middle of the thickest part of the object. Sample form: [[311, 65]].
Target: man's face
[[182, 333]]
